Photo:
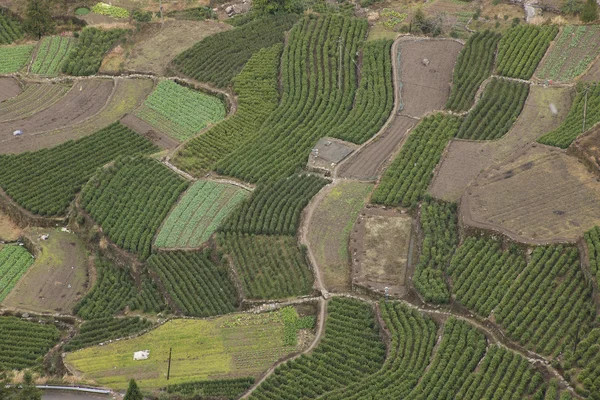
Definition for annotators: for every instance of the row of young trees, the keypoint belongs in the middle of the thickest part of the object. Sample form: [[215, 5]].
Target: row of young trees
[[258, 95], [229, 389], [23, 344], [586, 104], [496, 112], [10, 30], [592, 239], [584, 364], [350, 351], [473, 66], [130, 199], [197, 285], [217, 59], [55, 175], [104, 329], [407, 178], [93, 43], [413, 337], [269, 267], [52, 54], [275, 208], [521, 49]]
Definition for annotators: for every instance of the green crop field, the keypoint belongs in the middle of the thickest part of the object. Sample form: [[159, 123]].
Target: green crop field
[[52, 54], [87, 55], [10, 30], [198, 214], [13, 58], [111, 11], [14, 261], [23, 344], [179, 111], [237, 345]]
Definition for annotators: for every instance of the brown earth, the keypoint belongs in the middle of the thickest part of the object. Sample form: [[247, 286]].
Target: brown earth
[[9, 231], [593, 72], [149, 132], [539, 196], [57, 279], [335, 212], [35, 98], [9, 87], [367, 163], [86, 98], [155, 52], [127, 95], [379, 247], [587, 147], [425, 88], [464, 160]]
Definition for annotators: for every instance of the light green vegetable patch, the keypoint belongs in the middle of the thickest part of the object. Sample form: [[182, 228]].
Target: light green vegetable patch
[[14, 261], [13, 58]]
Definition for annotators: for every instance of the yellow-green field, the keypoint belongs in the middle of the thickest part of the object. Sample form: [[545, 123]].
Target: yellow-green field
[[236, 345]]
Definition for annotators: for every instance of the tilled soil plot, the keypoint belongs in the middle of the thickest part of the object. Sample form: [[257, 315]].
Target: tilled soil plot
[[379, 250], [149, 132], [540, 196], [587, 147], [426, 74], [368, 162], [86, 98], [464, 160], [127, 95], [9, 87]]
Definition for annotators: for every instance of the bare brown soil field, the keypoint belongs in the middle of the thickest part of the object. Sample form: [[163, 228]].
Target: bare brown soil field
[[329, 231], [86, 98], [156, 52], [9, 231], [426, 88], [57, 279], [127, 95], [367, 163], [464, 160], [35, 98], [379, 247], [149, 132], [9, 87], [587, 147], [593, 73], [540, 196], [328, 152]]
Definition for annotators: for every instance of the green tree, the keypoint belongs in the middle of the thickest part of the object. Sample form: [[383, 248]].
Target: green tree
[[133, 392], [38, 19], [266, 7], [590, 11], [28, 390]]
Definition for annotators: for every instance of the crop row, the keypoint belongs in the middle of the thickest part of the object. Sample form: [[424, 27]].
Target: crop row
[[14, 261], [473, 66], [275, 208], [130, 199], [111, 11], [409, 175], [23, 344], [86, 57], [13, 58], [521, 49], [583, 115], [439, 222], [413, 338], [54, 176], [258, 95], [33, 99], [548, 306], [586, 358], [350, 351], [268, 266], [114, 290], [52, 54], [482, 273], [592, 239], [179, 111], [496, 112], [217, 59], [198, 214], [229, 389], [374, 97], [197, 285], [104, 329], [319, 90], [10, 30]]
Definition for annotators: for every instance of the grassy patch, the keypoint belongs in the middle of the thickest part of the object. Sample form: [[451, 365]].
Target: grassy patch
[[232, 346]]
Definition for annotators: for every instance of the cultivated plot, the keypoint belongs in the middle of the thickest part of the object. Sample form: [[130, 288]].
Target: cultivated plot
[[237, 345], [198, 214], [542, 195], [14, 261], [9, 87], [35, 98], [52, 54], [13, 58], [57, 278], [330, 227]]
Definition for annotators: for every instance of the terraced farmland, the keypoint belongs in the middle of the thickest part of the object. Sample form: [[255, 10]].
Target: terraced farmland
[[34, 99], [52, 54], [13, 58], [23, 344], [14, 262], [199, 213], [10, 30]]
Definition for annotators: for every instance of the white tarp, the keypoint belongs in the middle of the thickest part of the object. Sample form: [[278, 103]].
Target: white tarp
[[141, 355]]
